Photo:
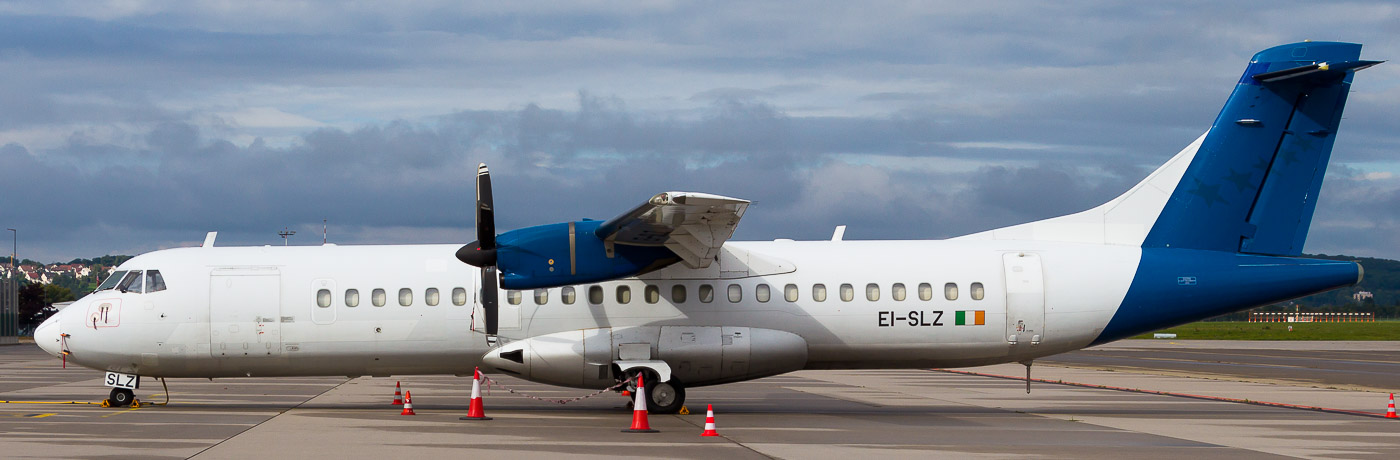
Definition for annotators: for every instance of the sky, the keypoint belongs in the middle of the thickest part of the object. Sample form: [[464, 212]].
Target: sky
[[130, 126]]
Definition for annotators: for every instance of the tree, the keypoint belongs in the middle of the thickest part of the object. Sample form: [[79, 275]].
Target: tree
[[54, 293], [31, 303]]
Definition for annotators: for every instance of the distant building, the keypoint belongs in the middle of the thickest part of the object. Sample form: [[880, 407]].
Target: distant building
[[1361, 296]]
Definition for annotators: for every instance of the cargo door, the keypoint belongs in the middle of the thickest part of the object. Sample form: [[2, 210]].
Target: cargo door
[[1025, 298], [244, 309]]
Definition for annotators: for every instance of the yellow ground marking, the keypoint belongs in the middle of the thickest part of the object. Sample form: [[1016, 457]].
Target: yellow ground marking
[[122, 412]]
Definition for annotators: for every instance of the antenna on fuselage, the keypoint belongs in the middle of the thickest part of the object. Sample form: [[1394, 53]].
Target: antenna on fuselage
[[286, 233]]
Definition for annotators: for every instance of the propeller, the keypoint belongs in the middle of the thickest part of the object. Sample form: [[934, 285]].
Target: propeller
[[482, 252]]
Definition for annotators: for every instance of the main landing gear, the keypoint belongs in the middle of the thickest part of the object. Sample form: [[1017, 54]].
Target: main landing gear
[[121, 397], [662, 397]]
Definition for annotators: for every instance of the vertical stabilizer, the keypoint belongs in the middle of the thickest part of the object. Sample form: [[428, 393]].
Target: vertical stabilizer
[[1252, 186], [1250, 183]]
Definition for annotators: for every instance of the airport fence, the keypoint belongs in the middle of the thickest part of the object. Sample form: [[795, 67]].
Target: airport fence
[[1310, 317]]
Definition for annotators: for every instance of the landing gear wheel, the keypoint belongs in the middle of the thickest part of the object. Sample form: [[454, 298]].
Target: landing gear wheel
[[665, 397], [121, 397]]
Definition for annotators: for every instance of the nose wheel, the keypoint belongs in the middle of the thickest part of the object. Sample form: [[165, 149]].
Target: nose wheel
[[121, 397]]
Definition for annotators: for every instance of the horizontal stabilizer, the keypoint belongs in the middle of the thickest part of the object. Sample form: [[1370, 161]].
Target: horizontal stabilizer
[[1314, 72]]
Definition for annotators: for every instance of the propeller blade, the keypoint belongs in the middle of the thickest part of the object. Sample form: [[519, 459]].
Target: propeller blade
[[485, 210], [488, 298]]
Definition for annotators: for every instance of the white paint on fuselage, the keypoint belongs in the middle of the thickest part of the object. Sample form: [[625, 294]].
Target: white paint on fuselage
[[167, 333]]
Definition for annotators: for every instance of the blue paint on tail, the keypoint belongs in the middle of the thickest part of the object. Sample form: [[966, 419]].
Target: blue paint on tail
[[1253, 183], [1224, 239]]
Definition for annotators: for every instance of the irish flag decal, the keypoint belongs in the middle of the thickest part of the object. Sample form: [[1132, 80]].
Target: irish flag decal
[[971, 318]]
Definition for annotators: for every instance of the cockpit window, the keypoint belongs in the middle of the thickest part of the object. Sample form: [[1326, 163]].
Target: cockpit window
[[154, 282], [112, 281], [132, 282]]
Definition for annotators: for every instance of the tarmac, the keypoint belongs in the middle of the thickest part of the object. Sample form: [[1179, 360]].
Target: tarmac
[[810, 414]]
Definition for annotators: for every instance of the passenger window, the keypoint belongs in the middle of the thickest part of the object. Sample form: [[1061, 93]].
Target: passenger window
[[678, 294], [595, 295], [736, 293], [431, 297], [925, 292], [761, 293], [819, 292], [513, 297], [872, 292], [154, 282], [352, 297], [651, 294], [378, 297], [707, 293], [790, 292], [568, 295], [541, 296], [978, 292], [950, 291], [405, 297], [848, 293], [132, 283], [897, 292], [624, 294], [323, 298], [459, 296]]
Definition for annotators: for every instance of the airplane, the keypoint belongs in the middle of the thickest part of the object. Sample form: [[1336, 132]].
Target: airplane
[[660, 291]]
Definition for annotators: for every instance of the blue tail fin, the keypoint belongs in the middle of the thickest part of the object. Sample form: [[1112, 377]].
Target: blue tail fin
[[1252, 185]]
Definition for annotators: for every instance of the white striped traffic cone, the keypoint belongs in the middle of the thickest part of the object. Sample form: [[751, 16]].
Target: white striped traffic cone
[[710, 421], [408, 404], [398, 394], [476, 411], [639, 411], [1390, 408]]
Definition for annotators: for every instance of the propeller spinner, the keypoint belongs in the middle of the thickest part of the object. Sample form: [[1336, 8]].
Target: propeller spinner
[[482, 252]]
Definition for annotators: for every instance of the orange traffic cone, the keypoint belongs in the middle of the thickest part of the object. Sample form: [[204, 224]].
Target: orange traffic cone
[[476, 411], [1390, 408], [398, 395], [408, 404], [639, 411], [710, 421]]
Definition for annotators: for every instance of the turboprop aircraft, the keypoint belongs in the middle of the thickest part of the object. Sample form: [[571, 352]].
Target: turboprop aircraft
[[660, 290]]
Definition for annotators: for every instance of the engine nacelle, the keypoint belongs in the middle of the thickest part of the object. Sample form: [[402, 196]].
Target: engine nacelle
[[697, 355], [570, 253]]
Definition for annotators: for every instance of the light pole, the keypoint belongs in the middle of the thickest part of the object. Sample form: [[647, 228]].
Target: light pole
[[13, 249]]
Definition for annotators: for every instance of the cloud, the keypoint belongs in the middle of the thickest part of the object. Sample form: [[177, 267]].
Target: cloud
[[131, 125]]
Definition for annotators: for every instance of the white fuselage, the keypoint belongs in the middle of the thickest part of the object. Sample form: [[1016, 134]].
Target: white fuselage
[[254, 311]]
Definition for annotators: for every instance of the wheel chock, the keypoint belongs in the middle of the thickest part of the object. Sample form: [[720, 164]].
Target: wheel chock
[[684, 410], [106, 403], [135, 403]]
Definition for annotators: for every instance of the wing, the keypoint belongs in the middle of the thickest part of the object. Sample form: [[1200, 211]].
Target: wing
[[692, 225]]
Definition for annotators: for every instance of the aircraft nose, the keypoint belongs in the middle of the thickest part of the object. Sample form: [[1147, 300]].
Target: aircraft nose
[[46, 336]]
